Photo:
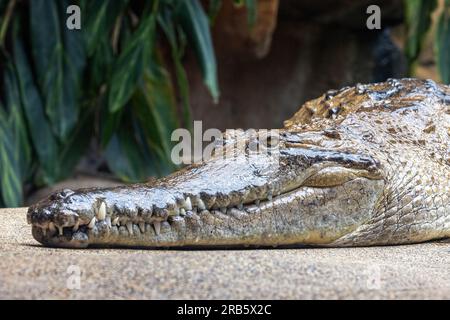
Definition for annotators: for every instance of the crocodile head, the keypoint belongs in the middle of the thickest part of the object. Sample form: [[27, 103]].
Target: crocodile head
[[290, 193], [363, 165]]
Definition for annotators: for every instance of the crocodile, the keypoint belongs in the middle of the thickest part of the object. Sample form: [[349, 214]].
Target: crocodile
[[360, 166]]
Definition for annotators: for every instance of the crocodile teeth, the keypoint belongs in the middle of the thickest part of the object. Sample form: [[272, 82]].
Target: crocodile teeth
[[257, 202], [157, 226], [182, 212], [76, 226], [201, 204], [188, 204], [235, 213], [223, 209], [130, 227], [108, 221], [44, 231], [240, 206], [101, 214], [142, 226], [60, 230], [115, 221], [269, 197], [91, 224]]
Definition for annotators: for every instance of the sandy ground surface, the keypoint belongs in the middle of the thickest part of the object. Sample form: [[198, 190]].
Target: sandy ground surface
[[30, 271]]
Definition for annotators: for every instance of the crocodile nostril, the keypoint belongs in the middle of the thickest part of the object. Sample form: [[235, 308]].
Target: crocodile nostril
[[53, 196]]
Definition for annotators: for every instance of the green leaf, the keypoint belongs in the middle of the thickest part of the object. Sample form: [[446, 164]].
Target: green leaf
[[59, 59], [144, 147], [17, 123], [132, 62], [126, 156], [418, 21], [177, 51], [251, 6], [213, 10], [183, 87], [442, 44], [100, 65], [44, 142], [109, 122], [10, 182], [195, 23], [6, 12], [154, 105], [100, 16], [77, 145]]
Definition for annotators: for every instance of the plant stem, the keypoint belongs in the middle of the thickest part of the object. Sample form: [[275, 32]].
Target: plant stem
[[5, 22]]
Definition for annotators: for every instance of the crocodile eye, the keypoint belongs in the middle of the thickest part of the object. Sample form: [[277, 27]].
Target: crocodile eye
[[66, 192]]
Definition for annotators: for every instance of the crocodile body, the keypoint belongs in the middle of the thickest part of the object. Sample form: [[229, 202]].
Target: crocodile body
[[364, 165]]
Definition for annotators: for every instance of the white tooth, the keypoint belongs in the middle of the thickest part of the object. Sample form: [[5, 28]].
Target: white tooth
[[130, 227], [223, 209], [240, 206], [76, 226], [108, 221], [101, 214], [51, 227], [188, 204], [142, 226], [201, 204], [44, 231], [257, 202], [115, 221], [235, 213], [91, 224], [60, 229], [269, 197], [157, 226], [182, 212]]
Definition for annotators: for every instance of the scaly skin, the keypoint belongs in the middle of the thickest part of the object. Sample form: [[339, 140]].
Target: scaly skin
[[366, 165]]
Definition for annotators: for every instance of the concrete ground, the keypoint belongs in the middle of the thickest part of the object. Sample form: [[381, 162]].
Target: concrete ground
[[30, 271]]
